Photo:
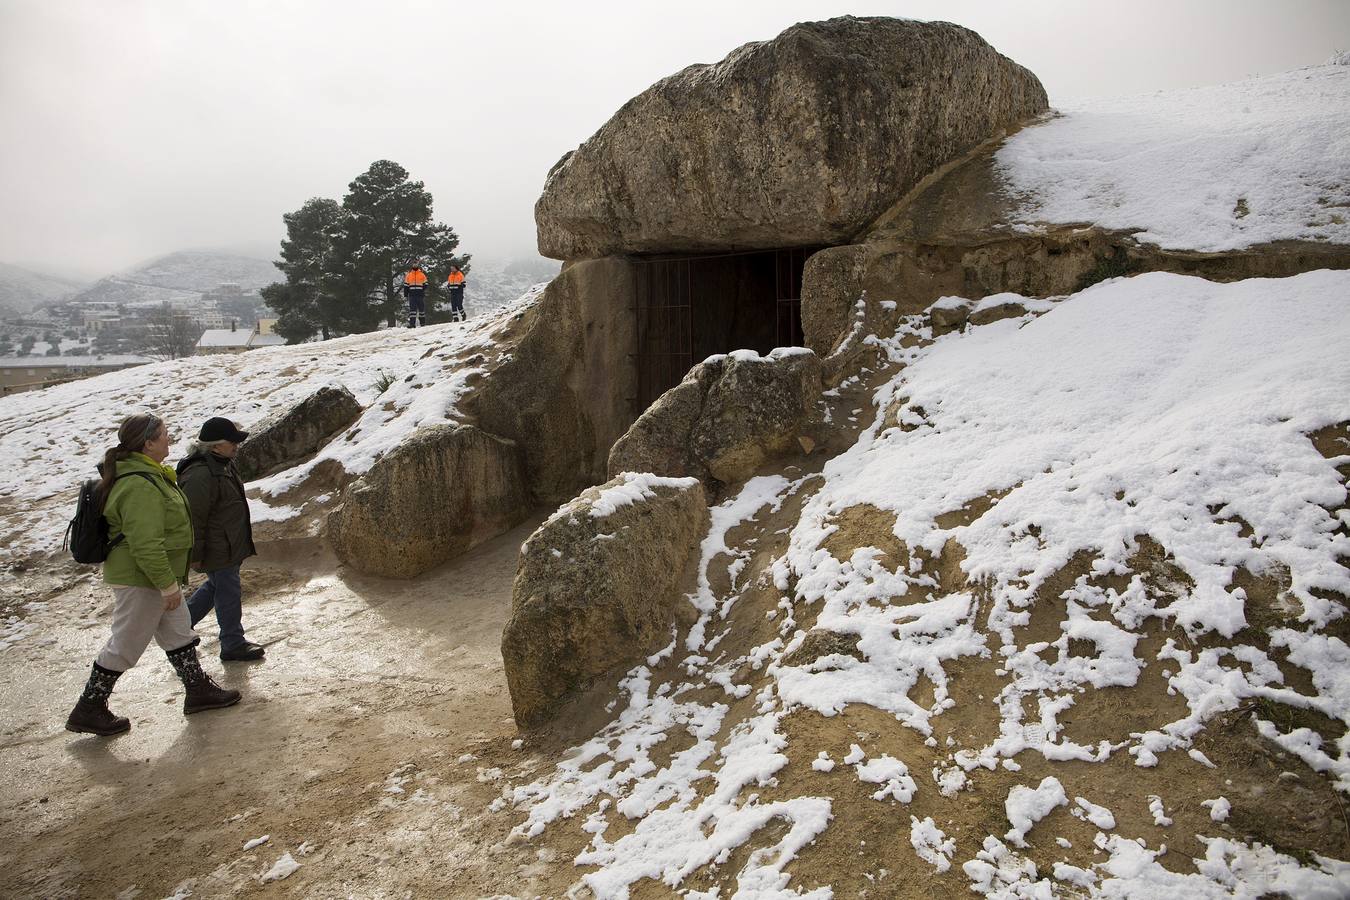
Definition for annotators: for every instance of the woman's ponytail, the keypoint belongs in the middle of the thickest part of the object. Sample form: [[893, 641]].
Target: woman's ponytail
[[135, 432]]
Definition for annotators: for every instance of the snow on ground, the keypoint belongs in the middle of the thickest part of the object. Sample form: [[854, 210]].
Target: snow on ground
[[1162, 406], [53, 438], [1213, 168]]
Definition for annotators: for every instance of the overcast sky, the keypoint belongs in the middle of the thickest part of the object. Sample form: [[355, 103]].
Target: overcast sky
[[132, 128]]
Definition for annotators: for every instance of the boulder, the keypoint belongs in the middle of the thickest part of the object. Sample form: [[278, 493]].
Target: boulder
[[997, 307], [289, 436], [948, 314], [597, 587], [832, 282], [799, 141], [728, 415], [444, 489], [818, 643]]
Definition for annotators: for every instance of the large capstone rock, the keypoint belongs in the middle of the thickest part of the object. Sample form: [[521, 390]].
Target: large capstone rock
[[798, 141], [728, 415], [290, 435], [444, 489], [597, 587]]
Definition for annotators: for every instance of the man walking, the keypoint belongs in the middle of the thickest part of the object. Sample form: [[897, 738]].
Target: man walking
[[454, 286], [415, 292], [222, 533]]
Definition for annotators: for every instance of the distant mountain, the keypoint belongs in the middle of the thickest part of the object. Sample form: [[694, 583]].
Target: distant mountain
[[180, 276], [22, 290], [187, 274], [495, 282]]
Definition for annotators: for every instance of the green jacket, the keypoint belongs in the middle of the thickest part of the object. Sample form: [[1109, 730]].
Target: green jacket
[[154, 518], [222, 532]]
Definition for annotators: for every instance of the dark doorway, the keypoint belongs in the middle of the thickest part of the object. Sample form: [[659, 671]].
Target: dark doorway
[[690, 307]]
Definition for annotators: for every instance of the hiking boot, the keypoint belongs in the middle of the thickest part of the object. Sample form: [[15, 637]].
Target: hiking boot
[[245, 652], [94, 717], [206, 694], [202, 692], [91, 714]]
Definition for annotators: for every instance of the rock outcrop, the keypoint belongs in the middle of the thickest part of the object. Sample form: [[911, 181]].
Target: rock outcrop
[[798, 141], [997, 307], [287, 437], [831, 287], [596, 587], [948, 314], [727, 417], [443, 490]]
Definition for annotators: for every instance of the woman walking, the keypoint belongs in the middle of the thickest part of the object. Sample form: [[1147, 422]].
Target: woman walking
[[149, 521]]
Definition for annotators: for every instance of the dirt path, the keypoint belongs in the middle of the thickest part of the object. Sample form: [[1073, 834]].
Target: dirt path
[[369, 745]]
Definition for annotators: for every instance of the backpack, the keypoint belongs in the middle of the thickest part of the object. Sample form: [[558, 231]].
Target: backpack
[[87, 534]]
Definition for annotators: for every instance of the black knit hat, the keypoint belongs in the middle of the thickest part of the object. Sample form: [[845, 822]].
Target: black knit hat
[[219, 429]]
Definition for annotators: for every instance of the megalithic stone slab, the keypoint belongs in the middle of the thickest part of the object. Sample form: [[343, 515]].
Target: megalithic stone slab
[[597, 587], [802, 140]]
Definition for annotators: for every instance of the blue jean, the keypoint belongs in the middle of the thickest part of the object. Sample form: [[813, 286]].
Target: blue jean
[[222, 591]]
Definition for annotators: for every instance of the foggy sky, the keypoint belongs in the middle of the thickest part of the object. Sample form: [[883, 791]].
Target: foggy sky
[[131, 128]]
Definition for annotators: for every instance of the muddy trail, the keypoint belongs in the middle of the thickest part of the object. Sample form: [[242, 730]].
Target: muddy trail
[[368, 745]]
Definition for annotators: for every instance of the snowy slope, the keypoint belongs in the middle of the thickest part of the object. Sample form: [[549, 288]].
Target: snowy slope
[[56, 436], [1209, 169], [22, 290], [180, 276], [1152, 434], [1162, 408], [494, 282]]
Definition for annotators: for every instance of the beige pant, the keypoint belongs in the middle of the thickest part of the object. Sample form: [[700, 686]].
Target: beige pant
[[138, 616]]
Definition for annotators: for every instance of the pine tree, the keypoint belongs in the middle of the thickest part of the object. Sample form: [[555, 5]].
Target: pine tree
[[344, 263], [389, 228], [303, 302]]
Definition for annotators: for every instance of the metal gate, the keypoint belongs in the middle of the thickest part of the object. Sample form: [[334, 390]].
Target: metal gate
[[787, 271], [665, 331], [666, 293]]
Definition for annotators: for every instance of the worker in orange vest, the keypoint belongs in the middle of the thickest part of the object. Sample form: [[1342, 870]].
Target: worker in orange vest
[[454, 286], [415, 292]]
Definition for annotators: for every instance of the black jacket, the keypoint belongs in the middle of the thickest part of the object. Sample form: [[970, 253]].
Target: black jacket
[[222, 532]]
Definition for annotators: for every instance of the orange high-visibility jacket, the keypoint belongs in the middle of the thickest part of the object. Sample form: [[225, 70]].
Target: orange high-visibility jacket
[[455, 279], [415, 278]]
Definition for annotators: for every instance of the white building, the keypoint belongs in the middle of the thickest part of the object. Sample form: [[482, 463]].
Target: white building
[[28, 373], [236, 340]]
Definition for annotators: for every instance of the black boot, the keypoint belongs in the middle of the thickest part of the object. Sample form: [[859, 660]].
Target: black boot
[[91, 714], [245, 652], [202, 692]]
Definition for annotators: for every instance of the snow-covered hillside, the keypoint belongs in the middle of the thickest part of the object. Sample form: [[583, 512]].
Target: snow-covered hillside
[[494, 283], [1069, 619], [55, 436], [180, 276], [1210, 169], [1160, 414], [22, 289]]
